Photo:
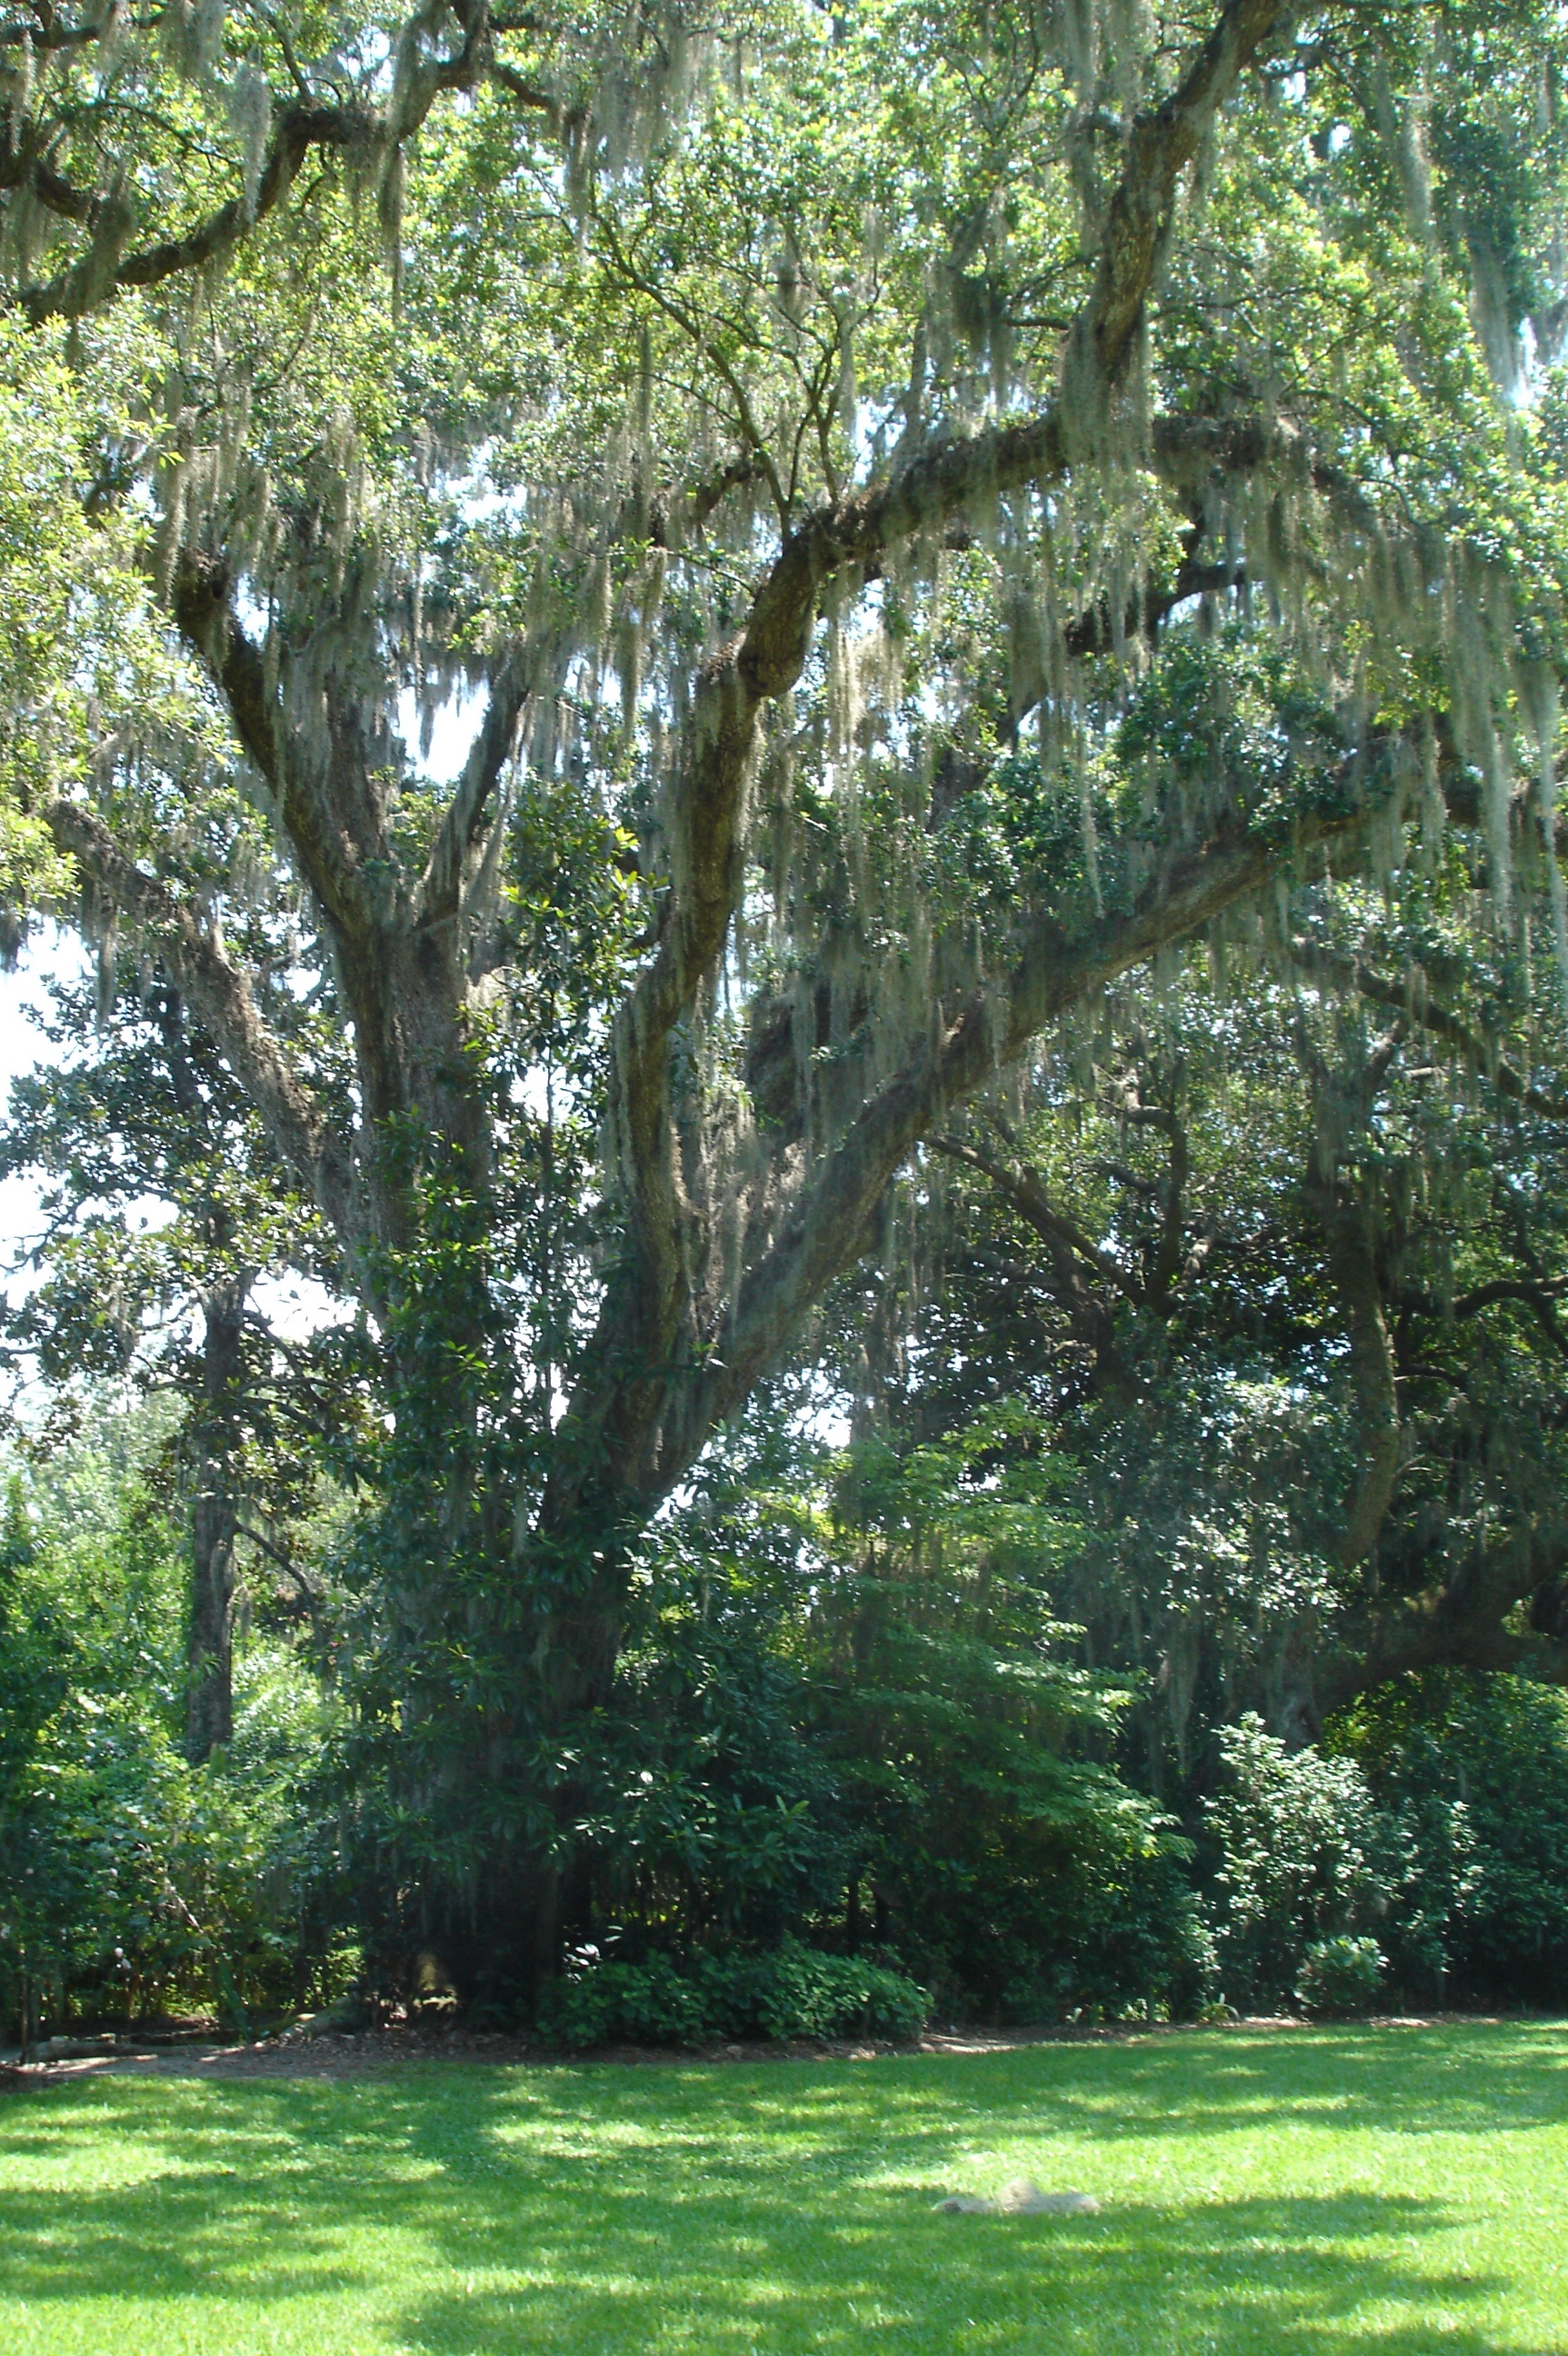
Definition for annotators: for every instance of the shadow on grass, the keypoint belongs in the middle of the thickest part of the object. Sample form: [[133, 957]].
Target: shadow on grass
[[1390, 2079], [769, 2208], [1242, 2275]]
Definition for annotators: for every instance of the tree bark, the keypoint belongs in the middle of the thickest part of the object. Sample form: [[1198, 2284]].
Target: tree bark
[[1353, 1266], [1465, 1624], [214, 1522]]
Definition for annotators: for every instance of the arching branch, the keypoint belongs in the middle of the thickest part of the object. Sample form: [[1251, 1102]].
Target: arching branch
[[848, 537], [1054, 971], [1470, 1622], [332, 835], [113, 265], [854, 535], [98, 276]]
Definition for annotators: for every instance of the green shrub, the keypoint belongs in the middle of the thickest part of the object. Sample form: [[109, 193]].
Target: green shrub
[[805, 1994], [1341, 1976], [651, 2003], [826, 1726], [1475, 1770], [1111, 1934], [794, 1992], [1307, 1856], [131, 1881]]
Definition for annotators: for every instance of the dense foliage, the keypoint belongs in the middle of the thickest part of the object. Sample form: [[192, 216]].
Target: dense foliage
[[853, 1775], [788, 1992], [134, 1882], [1471, 1770]]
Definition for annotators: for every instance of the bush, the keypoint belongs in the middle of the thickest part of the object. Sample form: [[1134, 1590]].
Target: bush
[[813, 1737], [1112, 1934], [1306, 1858], [805, 1993], [1341, 1976], [710, 1816], [794, 1992], [1475, 1769], [132, 1880]]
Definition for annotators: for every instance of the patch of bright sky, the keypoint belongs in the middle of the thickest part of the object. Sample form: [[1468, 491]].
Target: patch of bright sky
[[51, 954], [453, 728], [294, 1305]]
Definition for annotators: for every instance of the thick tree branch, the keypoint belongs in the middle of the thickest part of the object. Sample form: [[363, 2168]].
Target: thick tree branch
[[332, 838], [44, 33], [1544, 1286], [276, 1553], [1095, 632], [97, 275], [851, 537], [645, 1350], [1160, 146], [1054, 971], [1508, 1287], [108, 269], [398, 960], [1464, 1625]]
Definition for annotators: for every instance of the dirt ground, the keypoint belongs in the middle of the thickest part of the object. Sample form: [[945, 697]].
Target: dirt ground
[[294, 2054]]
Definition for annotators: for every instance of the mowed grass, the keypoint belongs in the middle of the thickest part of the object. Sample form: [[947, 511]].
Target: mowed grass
[[1380, 2189]]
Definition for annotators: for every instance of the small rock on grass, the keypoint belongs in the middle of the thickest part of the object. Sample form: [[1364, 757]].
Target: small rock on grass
[[1023, 2198]]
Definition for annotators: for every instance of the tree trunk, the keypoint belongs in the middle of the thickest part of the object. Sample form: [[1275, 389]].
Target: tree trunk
[[210, 1699]]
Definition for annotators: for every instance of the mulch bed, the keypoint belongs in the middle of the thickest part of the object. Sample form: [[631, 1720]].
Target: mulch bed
[[187, 2053]]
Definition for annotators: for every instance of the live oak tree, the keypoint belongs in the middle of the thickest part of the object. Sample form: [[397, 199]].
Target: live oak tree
[[808, 452]]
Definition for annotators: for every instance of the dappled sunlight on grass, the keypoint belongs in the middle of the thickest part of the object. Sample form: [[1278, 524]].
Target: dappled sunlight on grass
[[1340, 2192]]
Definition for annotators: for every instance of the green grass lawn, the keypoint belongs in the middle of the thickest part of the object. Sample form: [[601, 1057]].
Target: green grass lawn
[[1389, 2189]]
